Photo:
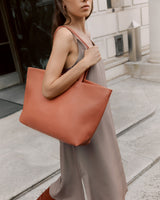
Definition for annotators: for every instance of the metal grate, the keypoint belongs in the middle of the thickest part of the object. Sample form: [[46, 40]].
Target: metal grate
[[119, 44]]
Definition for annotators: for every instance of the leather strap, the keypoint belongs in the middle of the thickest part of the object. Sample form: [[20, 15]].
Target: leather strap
[[76, 35], [84, 75]]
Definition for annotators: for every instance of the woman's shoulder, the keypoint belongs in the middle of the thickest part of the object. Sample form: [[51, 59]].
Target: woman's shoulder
[[62, 38], [63, 33]]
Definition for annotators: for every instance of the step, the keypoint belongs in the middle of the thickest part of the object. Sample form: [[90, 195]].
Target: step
[[36, 190], [34, 153], [120, 109], [144, 69], [119, 66], [117, 79], [146, 187], [115, 67], [116, 71], [131, 101], [9, 79], [140, 147], [13, 93], [27, 156]]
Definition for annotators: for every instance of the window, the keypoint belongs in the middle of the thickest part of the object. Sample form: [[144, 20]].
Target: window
[[109, 4], [119, 44], [32, 21]]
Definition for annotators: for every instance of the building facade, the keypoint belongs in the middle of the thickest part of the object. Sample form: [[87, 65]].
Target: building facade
[[25, 38], [108, 27]]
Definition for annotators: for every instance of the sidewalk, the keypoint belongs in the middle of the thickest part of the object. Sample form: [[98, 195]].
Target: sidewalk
[[27, 156], [29, 159]]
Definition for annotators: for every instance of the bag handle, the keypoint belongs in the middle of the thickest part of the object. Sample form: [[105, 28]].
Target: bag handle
[[84, 75], [76, 35]]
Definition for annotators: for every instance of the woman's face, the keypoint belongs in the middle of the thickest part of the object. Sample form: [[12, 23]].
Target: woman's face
[[74, 7]]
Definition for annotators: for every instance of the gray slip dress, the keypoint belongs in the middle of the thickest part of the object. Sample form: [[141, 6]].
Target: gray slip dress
[[94, 171]]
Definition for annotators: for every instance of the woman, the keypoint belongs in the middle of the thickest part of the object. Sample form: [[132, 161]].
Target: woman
[[93, 171]]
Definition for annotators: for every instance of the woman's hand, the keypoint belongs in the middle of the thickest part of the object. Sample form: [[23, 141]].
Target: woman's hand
[[91, 56]]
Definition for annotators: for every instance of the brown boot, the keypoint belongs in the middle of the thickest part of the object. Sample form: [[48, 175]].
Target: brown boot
[[45, 195]]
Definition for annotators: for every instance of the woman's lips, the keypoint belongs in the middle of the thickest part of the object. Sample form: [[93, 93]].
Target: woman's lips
[[86, 6]]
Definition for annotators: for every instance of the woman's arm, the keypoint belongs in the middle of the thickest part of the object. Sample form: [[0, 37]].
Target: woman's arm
[[53, 83]]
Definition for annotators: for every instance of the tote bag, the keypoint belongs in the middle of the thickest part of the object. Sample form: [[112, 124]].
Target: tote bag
[[71, 117]]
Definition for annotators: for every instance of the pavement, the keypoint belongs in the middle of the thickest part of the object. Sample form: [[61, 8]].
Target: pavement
[[29, 159]]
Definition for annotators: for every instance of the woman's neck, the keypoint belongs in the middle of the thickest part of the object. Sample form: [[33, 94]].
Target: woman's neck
[[78, 26]]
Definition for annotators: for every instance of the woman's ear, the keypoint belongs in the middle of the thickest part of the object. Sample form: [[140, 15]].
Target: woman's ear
[[63, 5]]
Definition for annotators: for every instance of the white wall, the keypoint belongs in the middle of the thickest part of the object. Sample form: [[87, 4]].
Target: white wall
[[104, 24]]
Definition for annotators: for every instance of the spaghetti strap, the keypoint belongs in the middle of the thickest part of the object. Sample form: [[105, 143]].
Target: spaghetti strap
[[75, 35], [78, 36], [59, 28]]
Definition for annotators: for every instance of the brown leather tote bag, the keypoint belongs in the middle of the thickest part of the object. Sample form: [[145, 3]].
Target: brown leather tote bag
[[71, 117]]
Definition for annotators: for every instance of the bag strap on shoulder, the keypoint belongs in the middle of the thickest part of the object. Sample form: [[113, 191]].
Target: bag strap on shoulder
[[84, 75]]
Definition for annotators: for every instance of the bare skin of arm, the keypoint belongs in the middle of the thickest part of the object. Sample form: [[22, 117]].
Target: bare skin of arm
[[54, 83]]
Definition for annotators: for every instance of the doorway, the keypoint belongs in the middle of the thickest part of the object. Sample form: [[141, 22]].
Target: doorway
[[10, 66], [6, 59]]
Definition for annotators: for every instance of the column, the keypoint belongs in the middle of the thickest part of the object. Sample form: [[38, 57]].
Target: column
[[154, 21]]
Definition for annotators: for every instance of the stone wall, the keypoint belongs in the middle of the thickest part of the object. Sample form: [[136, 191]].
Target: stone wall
[[106, 23]]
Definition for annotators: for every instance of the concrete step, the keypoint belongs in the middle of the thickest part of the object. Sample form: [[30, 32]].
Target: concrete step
[[144, 69], [140, 147], [116, 69], [146, 187], [32, 193], [13, 93], [131, 101], [26, 152], [9, 79], [118, 66], [117, 79], [140, 150], [27, 157], [126, 112]]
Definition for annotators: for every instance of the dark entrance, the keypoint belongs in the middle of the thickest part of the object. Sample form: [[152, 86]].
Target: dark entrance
[[10, 65], [6, 59], [32, 22], [25, 35]]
